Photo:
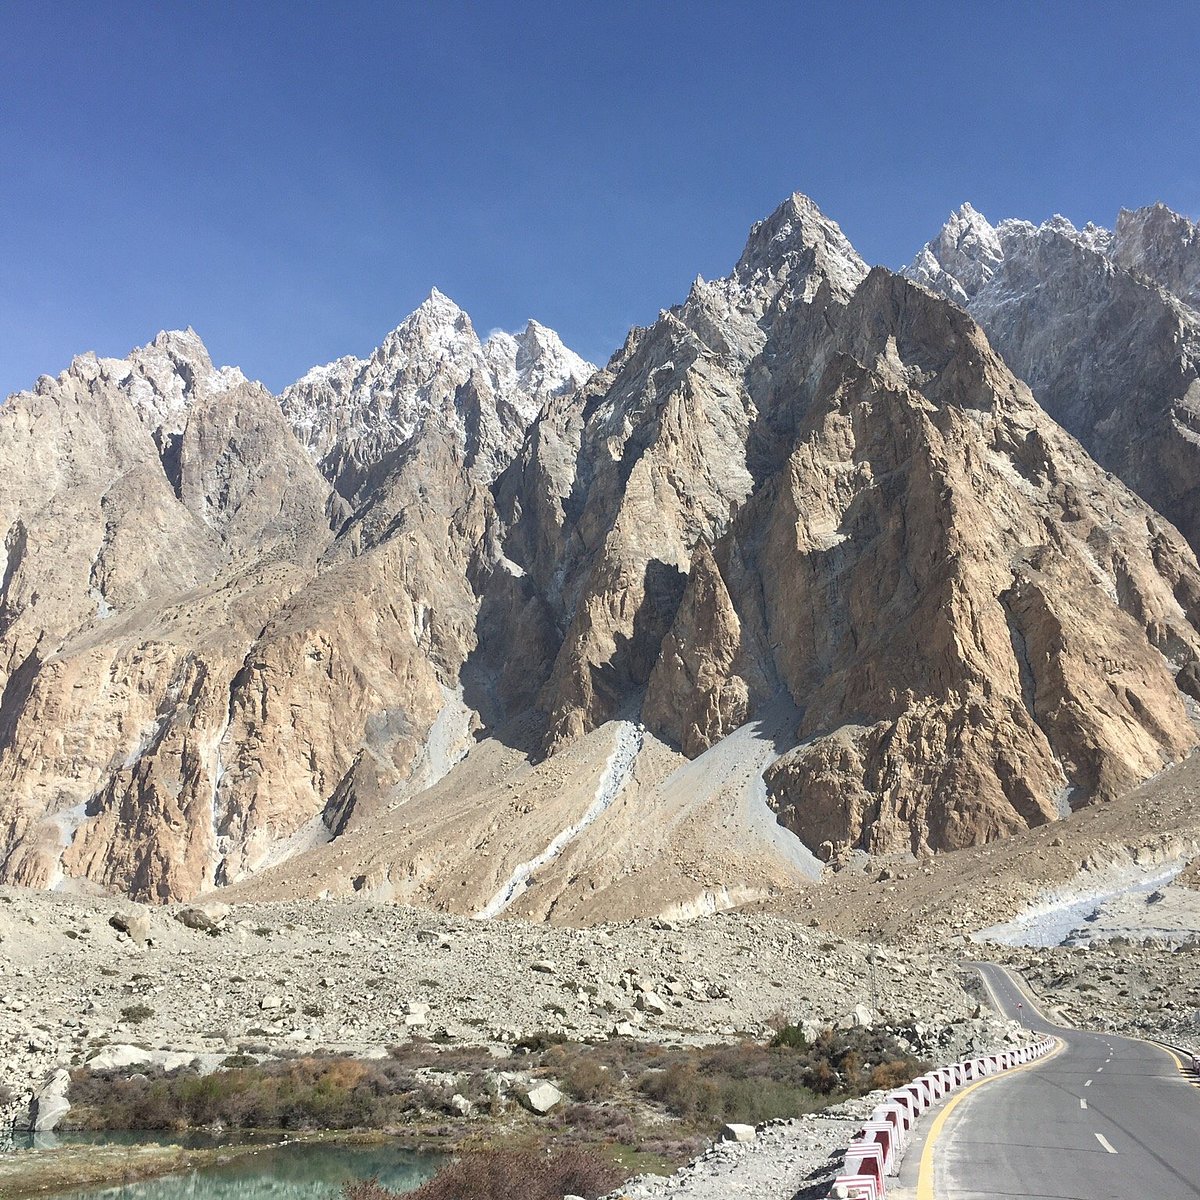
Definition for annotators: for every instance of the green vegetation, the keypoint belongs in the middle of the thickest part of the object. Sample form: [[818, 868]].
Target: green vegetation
[[312, 1093], [133, 1014]]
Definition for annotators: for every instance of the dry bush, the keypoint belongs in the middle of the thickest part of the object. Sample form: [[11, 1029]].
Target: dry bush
[[366, 1189], [585, 1079], [506, 1175], [751, 1083]]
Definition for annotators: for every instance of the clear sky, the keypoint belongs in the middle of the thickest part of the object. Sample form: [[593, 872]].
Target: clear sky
[[292, 178]]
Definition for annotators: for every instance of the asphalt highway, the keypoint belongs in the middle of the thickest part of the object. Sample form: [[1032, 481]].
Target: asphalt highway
[[1105, 1118]]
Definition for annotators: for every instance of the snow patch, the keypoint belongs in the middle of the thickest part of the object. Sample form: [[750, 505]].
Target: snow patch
[[713, 901], [216, 773], [313, 833], [1063, 911], [66, 823], [447, 743], [617, 773]]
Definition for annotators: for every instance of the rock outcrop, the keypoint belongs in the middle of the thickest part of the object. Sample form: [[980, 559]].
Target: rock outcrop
[[353, 413]]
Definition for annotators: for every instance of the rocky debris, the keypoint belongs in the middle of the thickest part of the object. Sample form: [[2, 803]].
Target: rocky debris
[[738, 1133], [1142, 991], [777, 1161], [349, 976]]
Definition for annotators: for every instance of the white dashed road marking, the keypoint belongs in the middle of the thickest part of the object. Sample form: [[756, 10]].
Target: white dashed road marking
[[1082, 1102], [1106, 1143]]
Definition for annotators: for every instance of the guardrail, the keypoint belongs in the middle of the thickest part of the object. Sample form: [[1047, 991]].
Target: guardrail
[[875, 1154]]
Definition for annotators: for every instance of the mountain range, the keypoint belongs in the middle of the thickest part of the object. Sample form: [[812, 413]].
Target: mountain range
[[828, 559]]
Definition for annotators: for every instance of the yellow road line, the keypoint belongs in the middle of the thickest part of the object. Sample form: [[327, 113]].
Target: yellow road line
[[925, 1176], [1167, 1049]]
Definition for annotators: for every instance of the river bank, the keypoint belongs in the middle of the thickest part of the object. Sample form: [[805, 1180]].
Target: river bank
[[298, 1165]]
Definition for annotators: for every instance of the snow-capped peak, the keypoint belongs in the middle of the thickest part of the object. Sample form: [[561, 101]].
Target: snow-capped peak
[[798, 234], [962, 258], [1163, 245], [161, 380], [531, 366], [359, 409], [438, 304]]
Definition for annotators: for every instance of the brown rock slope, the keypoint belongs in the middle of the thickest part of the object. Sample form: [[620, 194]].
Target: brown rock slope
[[811, 488], [1104, 328], [199, 677], [982, 630], [156, 511], [805, 541]]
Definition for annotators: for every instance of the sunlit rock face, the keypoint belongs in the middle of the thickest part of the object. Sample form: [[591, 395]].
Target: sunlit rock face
[[1103, 327], [471, 624]]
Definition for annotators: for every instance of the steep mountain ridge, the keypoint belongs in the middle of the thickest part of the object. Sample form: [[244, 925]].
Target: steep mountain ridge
[[979, 630], [466, 624], [350, 414], [200, 675]]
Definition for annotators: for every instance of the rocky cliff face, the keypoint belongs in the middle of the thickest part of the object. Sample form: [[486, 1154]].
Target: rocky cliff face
[[610, 496], [1102, 326], [808, 530], [816, 483], [200, 675]]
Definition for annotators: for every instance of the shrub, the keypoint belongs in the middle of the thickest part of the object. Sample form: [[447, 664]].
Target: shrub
[[135, 1013], [504, 1174], [751, 1083], [586, 1079], [541, 1039], [791, 1037]]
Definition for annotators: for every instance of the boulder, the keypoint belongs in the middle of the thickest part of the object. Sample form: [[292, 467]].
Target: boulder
[[132, 922], [738, 1133], [860, 1017], [651, 1002], [541, 1098], [205, 919], [116, 1057], [50, 1103]]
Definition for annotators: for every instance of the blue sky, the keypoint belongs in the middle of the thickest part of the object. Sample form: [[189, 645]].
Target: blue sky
[[291, 179]]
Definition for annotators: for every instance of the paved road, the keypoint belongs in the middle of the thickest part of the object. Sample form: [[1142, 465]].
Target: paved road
[[1107, 1118]]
